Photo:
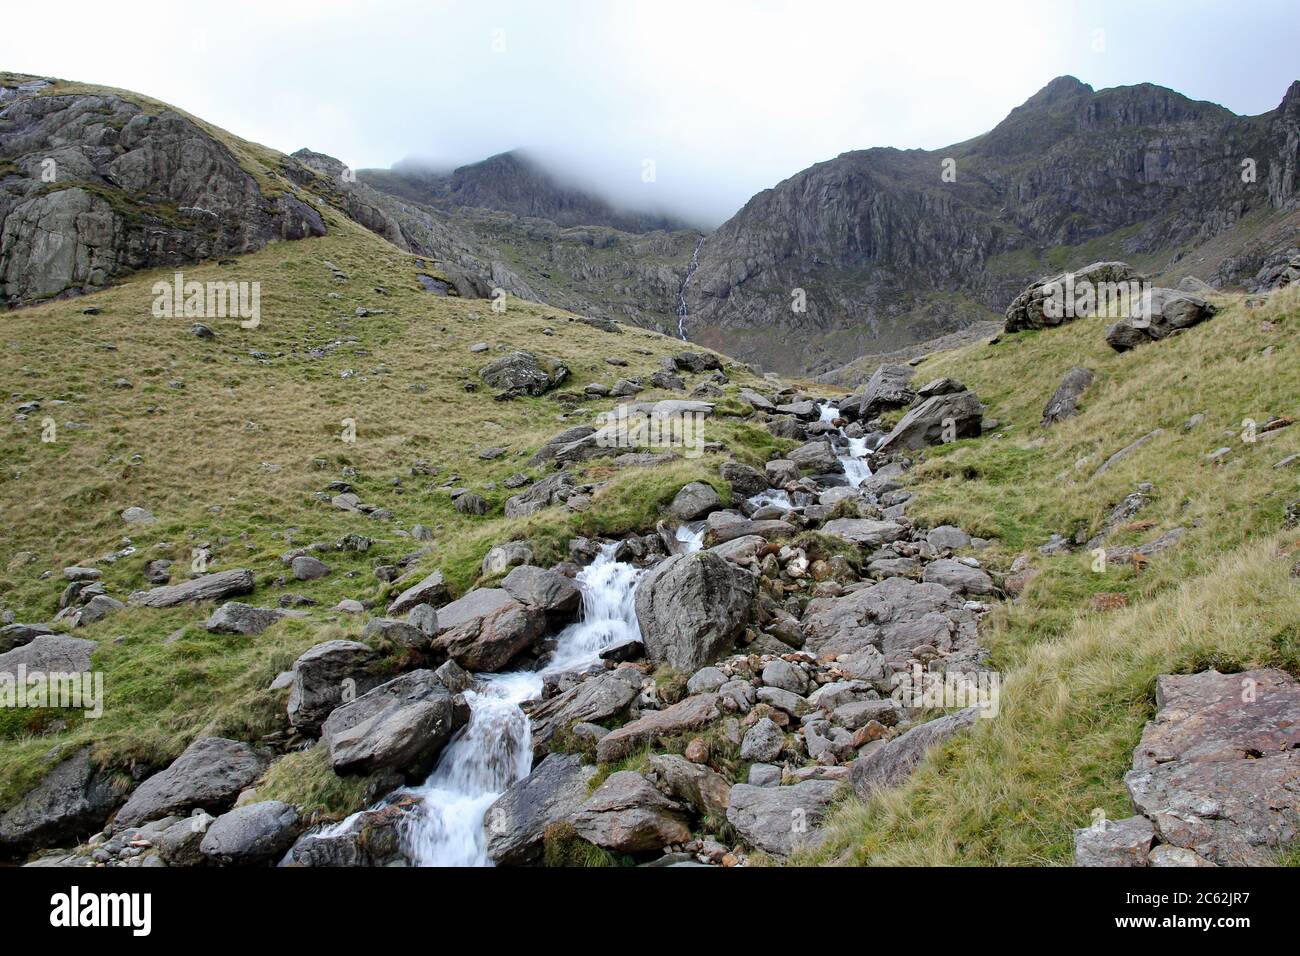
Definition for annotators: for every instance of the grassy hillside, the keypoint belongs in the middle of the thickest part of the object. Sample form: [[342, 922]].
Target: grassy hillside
[[228, 441], [1078, 681]]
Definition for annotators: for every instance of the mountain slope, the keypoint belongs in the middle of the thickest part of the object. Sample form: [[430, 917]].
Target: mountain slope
[[888, 253], [516, 183]]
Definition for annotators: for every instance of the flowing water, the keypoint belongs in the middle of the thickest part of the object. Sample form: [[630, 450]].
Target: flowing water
[[856, 469], [495, 748], [681, 295]]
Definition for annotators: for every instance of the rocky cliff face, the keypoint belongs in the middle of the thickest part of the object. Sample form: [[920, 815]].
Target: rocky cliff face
[[888, 250], [94, 185]]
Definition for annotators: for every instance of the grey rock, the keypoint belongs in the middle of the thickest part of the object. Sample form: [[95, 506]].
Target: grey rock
[[763, 742], [691, 608], [780, 820], [958, 415], [74, 798], [323, 676], [251, 834], [524, 373], [1064, 403], [209, 774], [552, 592], [508, 555], [595, 699], [627, 814], [695, 501], [958, 577], [1114, 843], [890, 765], [52, 654], [782, 674], [706, 679], [554, 790], [307, 568], [402, 725], [209, 587], [431, 589], [236, 618]]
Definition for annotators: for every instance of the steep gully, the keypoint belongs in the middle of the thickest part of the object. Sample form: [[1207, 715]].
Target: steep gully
[[445, 824]]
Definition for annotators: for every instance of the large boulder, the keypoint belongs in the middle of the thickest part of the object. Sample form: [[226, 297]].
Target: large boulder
[[253, 833], [487, 628], [1160, 314], [816, 456], [553, 792], [326, 675], [72, 800], [1053, 300], [883, 622], [524, 373], [549, 590], [402, 725], [745, 481], [937, 419], [694, 501], [780, 820], [691, 608], [627, 814], [208, 775], [889, 387], [209, 587]]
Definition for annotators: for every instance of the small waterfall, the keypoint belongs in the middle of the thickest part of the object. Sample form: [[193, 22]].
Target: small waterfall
[[681, 295], [856, 469], [495, 748], [691, 536], [774, 497]]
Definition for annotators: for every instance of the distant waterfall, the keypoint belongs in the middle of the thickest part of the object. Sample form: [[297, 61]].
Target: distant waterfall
[[681, 296]]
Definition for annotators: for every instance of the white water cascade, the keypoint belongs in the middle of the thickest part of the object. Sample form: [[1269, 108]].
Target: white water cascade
[[681, 296], [856, 469], [691, 536], [495, 748]]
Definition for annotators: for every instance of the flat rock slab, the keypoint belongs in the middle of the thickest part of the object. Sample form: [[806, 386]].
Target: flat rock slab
[[689, 714], [780, 820], [865, 531], [890, 765], [209, 587], [1218, 770]]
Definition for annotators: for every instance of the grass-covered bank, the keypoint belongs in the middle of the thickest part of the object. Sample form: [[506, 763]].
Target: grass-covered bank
[[1079, 683]]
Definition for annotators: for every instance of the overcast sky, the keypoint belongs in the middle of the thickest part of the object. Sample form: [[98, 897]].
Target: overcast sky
[[726, 98]]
